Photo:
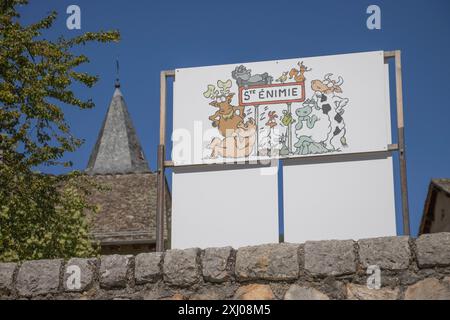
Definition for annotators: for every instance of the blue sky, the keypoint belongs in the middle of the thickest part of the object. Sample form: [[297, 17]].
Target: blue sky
[[161, 35]]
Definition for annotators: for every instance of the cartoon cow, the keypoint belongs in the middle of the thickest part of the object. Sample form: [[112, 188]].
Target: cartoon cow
[[305, 130], [238, 145], [228, 117], [331, 105]]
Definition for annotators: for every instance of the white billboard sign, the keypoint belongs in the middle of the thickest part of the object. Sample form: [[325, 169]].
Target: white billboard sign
[[339, 200], [280, 109], [349, 197], [286, 109], [236, 208]]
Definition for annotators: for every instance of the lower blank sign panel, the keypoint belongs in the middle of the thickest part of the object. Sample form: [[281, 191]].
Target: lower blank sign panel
[[224, 208], [339, 200]]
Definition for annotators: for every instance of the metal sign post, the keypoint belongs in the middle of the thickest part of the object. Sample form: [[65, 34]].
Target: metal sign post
[[161, 180], [401, 136]]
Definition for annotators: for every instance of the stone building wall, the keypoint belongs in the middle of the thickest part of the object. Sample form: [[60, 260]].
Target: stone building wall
[[127, 207], [126, 221], [409, 269]]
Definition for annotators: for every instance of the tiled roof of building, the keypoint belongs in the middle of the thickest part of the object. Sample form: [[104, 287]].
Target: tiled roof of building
[[442, 184], [435, 186]]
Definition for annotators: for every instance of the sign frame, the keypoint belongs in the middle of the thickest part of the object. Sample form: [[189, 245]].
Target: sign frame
[[162, 163]]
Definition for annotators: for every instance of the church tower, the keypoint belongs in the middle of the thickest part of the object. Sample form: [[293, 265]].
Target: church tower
[[117, 149], [126, 221]]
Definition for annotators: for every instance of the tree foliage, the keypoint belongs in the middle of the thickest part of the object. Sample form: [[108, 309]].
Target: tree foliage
[[41, 216]]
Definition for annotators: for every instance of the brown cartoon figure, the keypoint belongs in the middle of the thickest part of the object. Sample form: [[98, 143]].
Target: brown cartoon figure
[[239, 145], [228, 117], [272, 119], [299, 76]]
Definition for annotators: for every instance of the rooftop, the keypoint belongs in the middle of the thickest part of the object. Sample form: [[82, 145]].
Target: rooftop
[[443, 184]]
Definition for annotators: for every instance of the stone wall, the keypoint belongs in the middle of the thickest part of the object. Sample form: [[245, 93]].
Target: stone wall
[[410, 269]]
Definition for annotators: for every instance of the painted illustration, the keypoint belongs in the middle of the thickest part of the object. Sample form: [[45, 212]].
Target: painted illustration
[[333, 106], [244, 77], [264, 115], [269, 143], [299, 74], [238, 145]]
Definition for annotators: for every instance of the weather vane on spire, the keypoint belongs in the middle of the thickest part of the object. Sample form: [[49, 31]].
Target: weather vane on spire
[[117, 85]]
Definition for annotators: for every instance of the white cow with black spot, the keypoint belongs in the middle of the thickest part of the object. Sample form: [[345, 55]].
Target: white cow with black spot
[[333, 106]]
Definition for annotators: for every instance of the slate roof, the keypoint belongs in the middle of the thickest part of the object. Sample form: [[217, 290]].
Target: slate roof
[[117, 149], [442, 184], [436, 185]]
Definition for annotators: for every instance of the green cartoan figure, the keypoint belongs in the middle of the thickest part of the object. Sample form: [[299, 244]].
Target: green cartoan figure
[[306, 145], [303, 114]]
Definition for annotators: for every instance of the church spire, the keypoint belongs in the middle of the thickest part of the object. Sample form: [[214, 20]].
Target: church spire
[[117, 149]]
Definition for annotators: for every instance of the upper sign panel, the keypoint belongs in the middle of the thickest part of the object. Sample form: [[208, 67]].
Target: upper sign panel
[[280, 109]]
